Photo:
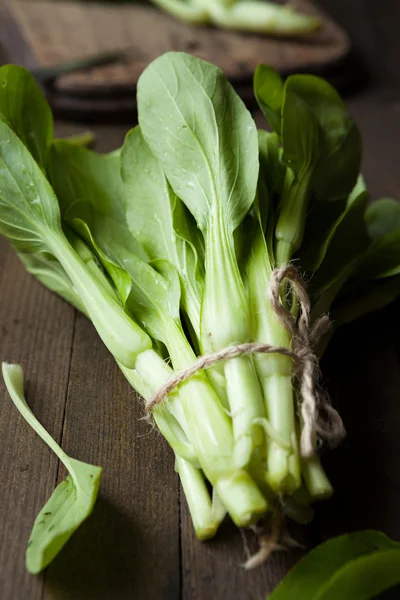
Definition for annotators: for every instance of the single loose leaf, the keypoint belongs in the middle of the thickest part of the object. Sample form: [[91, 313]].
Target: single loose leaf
[[355, 566], [73, 499]]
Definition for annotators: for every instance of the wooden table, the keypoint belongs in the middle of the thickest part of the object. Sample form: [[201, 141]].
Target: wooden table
[[139, 543]]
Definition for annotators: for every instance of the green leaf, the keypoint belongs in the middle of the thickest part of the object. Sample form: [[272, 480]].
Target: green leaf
[[339, 153], [301, 143], [358, 298], [90, 190], [71, 502], [382, 216], [272, 170], [25, 108], [30, 219], [322, 223], [202, 135], [47, 269], [346, 247], [161, 222], [382, 259], [268, 90], [29, 211], [355, 566]]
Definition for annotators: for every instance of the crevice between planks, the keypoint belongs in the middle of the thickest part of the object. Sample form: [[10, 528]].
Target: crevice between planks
[[63, 421]]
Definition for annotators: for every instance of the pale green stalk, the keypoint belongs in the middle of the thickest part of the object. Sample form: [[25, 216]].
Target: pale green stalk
[[190, 12], [318, 485], [274, 371], [293, 205], [225, 322], [124, 338], [206, 514]]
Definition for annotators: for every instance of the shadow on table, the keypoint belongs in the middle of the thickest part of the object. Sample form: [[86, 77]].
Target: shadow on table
[[101, 560]]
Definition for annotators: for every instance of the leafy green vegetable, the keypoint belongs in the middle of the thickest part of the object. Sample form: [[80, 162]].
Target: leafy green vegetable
[[90, 186], [355, 566], [168, 245], [73, 499]]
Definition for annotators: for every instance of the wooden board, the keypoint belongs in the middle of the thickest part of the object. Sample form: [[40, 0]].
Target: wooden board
[[56, 32]]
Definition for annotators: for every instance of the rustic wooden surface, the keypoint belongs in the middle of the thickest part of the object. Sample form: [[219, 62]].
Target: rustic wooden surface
[[139, 542]]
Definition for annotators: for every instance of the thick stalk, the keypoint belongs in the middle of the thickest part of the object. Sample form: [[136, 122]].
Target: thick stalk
[[122, 336], [275, 373], [225, 321], [318, 485], [205, 518], [168, 420], [210, 433]]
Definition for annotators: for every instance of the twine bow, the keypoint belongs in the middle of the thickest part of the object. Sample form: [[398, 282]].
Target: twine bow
[[317, 415]]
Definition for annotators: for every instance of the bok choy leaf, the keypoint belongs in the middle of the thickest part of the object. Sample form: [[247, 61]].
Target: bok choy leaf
[[73, 499]]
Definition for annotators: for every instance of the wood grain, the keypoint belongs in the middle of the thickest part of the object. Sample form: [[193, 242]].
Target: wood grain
[[36, 330], [215, 568]]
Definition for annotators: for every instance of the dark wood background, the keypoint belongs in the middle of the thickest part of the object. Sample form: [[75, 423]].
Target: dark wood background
[[139, 541]]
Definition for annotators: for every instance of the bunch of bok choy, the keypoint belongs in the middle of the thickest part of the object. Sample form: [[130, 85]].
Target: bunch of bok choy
[[169, 244]]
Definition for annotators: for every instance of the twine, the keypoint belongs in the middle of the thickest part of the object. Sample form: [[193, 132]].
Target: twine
[[318, 417]]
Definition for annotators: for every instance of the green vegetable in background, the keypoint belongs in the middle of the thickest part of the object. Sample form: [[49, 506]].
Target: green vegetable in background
[[169, 244], [257, 16], [73, 499]]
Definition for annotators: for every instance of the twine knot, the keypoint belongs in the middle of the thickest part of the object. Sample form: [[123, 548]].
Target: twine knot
[[317, 415]]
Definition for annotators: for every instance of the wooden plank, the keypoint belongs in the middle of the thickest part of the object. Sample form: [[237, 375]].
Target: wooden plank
[[130, 545], [214, 569], [36, 330]]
